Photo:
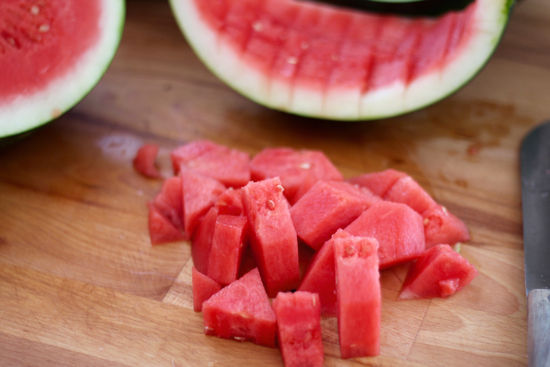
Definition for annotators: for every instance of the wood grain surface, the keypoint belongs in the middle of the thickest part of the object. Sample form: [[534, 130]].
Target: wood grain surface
[[80, 284]]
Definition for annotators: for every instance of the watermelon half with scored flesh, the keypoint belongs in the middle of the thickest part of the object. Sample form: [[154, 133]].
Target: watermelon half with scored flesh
[[329, 62], [52, 53]]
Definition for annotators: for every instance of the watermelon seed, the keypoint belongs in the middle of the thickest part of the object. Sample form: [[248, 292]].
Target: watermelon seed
[[44, 28], [426, 221], [349, 251], [444, 210], [313, 301], [257, 26], [292, 60], [270, 204], [280, 188], [239, 338], [305, 165], [35, 10]]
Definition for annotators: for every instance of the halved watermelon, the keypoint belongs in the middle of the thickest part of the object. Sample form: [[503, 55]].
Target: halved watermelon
[[329, 62], [52, 54]]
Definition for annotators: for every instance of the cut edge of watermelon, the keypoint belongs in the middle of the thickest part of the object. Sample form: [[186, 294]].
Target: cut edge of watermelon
[[29, 112], [490, 19]]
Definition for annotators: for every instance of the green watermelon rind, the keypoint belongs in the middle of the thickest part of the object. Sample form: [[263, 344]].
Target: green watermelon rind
[[187, 20], [98, 61]]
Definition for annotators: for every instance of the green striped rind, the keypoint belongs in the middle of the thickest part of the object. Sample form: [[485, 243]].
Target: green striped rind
[[28, 112], [490, 22]]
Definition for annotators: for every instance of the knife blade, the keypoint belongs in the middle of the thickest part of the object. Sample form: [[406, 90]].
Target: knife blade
[[535, 195]]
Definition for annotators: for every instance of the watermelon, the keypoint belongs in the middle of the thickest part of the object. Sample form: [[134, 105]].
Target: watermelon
[[53, 54], [320, 276], [201, 243], [378, 182], [144, 161], [326, 207], [241, 311], [161, 229], [407, 191], [329, 62], [169, 201], [438, 272], [203, 288], [295, 168], [230, 202], [272, 235], [200, 193], [358, 295], [228, 244], [442, 227], [398, 229], [299, 329], [229, 166]]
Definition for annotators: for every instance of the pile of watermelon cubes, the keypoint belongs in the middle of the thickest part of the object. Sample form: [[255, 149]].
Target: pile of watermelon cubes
[[226, 204]]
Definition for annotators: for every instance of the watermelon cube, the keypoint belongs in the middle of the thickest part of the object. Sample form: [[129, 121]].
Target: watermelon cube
[[241, 311], [202, 241], [203, 288], [299, 329], [229, 166], [228, 243], [294, 168], [438, 272], [161, 229], [144, 161], [320, 276], [169, 201], [442, 227], [200, 193], [326, 207], [407, 191], [272, 235], [230, 202], [398, 229], [378, 182], [359, 296]]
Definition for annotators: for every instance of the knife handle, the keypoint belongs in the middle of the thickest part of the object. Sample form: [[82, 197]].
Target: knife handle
[[538, 327]]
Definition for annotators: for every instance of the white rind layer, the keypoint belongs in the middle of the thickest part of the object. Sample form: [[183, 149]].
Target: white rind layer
[[29, 111], [490, 18]]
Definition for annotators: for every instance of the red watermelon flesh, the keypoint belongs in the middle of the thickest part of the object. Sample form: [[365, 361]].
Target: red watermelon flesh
[[229, 166], [203, 288], [230, 202], [442, 227], [228, 244], [300, 60], [398, 229], [272, 235], [200, 193], [359, 296], [241, 311], [320, 276], [293, 167], [439, 272], [202, 241], [144, 161], [407, 191], [161, 229], [299, 329], [169, 201], [378, 182], [35, 26], [326, 207]]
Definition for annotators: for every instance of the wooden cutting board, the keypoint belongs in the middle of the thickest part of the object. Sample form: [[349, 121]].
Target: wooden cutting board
[[80, 284]]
